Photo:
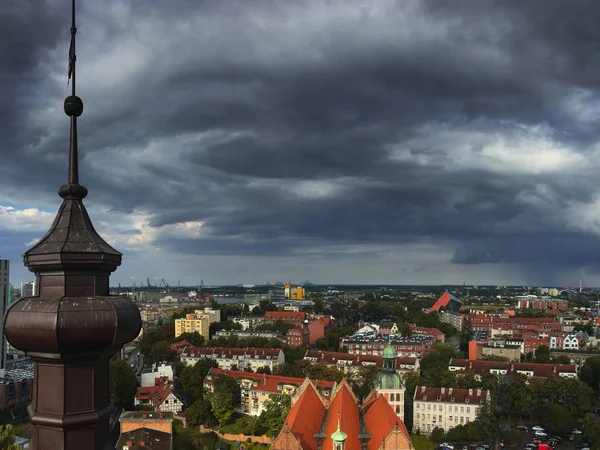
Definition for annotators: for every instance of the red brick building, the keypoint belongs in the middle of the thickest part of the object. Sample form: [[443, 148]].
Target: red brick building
[[285, 316], [299, 335], [319, 328]]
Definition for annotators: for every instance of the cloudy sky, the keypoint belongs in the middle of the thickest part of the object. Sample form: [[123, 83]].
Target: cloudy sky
[[365, 141]]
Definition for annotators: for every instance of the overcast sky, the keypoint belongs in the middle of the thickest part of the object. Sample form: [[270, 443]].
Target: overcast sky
[[350, 141]]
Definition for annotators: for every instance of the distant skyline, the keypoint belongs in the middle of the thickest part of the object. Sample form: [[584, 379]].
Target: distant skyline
[[339, 141]]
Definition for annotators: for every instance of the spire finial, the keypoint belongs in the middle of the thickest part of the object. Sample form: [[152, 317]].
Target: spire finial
[[339, 420], [73, 109]]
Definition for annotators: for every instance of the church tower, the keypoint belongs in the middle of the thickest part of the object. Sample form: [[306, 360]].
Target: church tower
[[339, 437], [389, 383]]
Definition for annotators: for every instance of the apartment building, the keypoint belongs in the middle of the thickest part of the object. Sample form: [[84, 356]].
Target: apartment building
[[16, 384], [297, 336], [568, 341], [412, 346], [445, 407], [248, 322], [540, 303], [454, 319], [530, 370], [247, 334], [350, 363], [193, 323], [150, 315], [285, 316], [234, 358], [423, 331], [256, 388]]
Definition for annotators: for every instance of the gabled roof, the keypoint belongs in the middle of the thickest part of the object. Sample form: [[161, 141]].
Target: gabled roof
[[380, 420], [306, 416], [345, 406], [451, 395], [145, 438], [156, 394], [511, 368]]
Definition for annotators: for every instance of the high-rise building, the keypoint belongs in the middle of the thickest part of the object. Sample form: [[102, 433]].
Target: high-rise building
[[4, 283], [28, 289], [11, 294]]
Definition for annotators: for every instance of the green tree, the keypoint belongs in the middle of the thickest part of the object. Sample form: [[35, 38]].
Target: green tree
[[363, 380], [123, 384], [434, 366], [7, 438], [160, 351], [224, 398], [275, 410], [196, 339], [200, 413], [591, 429], [246, 425], [542, 354], [559, 420], [191, 379], [437, 435], [590, 373]]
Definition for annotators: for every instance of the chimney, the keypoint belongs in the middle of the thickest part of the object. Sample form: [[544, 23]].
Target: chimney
[[478, 392], [129, 443], [470, 392], [443, 390]]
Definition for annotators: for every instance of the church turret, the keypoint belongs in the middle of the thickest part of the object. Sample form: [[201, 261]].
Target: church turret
[[389, 383], [339, 437]]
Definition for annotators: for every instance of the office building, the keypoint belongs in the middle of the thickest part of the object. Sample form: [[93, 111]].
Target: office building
[[28, 289]]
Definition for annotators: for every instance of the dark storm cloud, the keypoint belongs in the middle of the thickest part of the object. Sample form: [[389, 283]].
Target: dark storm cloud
[[279, 125]]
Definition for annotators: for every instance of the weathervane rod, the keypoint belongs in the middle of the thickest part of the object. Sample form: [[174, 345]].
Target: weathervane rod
[[73, 106]]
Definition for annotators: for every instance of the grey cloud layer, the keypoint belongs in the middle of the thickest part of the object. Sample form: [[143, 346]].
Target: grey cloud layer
[[227, 112]]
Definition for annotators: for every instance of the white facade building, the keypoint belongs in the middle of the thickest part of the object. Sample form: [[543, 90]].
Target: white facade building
[[248, 322], [235, 358], [157, 371], [446, 407], [28, 289]]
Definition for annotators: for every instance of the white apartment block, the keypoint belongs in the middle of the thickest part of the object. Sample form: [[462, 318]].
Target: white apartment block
[[235, 358], [446, 407]]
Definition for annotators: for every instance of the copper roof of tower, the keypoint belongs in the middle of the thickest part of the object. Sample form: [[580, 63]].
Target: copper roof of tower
[[72, 241]]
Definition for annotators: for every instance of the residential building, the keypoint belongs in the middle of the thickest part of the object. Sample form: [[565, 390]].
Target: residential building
[[569, 341], [162, 370], [341, 423], [214, 315], [150, 315], [446, 302], [193, 323], [389, 383], [386, 327], [141, 430], [160, 397], [501, 350], [11, 294], [411, 346], [423, 331], [297, 336], [577, 357], [4, 297], [16, 384], [235, 358], [256, 388], [285, 316], [28, 289], [529, 370], [454, 319], [445, 407], [247, 334], [319, 328], [349, 363], [540, 303], [248, 322], [513, 326]]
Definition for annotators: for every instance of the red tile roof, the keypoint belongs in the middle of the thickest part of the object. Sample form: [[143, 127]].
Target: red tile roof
[[178, 347], [511, 368], [266, 383], [431, 394], [344, 406], [380, 420], [425, 331], [285, 316], [302, 424], [156, 394]]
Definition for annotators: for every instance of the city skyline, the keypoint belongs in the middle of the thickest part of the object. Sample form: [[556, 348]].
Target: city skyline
[[375, 142]]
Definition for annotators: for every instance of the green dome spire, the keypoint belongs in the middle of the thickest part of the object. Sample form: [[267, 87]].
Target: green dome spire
[[338, 435], [389, 352]]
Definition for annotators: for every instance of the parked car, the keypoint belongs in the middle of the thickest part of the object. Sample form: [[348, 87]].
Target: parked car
[[522, 428], [583, 446], [537, 428], [446, 445], [541, 434], [576, 432]]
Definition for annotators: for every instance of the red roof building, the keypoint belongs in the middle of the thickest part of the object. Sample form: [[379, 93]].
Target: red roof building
[[313, 423], [423, 331], [447, 301], [160, 397], [285, 316], [256, 388], [349, 362], [318, 328]]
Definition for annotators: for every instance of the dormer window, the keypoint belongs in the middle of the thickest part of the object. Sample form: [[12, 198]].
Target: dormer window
[[467, 400], [452, 399]]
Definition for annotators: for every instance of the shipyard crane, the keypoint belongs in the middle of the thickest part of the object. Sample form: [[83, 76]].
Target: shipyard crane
[[166, 285]]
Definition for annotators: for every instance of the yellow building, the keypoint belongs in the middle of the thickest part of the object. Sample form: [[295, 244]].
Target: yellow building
[[193, 323]]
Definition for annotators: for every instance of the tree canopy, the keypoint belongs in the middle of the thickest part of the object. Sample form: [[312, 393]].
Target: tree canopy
[[123, 384]]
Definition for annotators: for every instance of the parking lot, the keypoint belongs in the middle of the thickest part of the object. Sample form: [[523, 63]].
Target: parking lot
[[528, 436]]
